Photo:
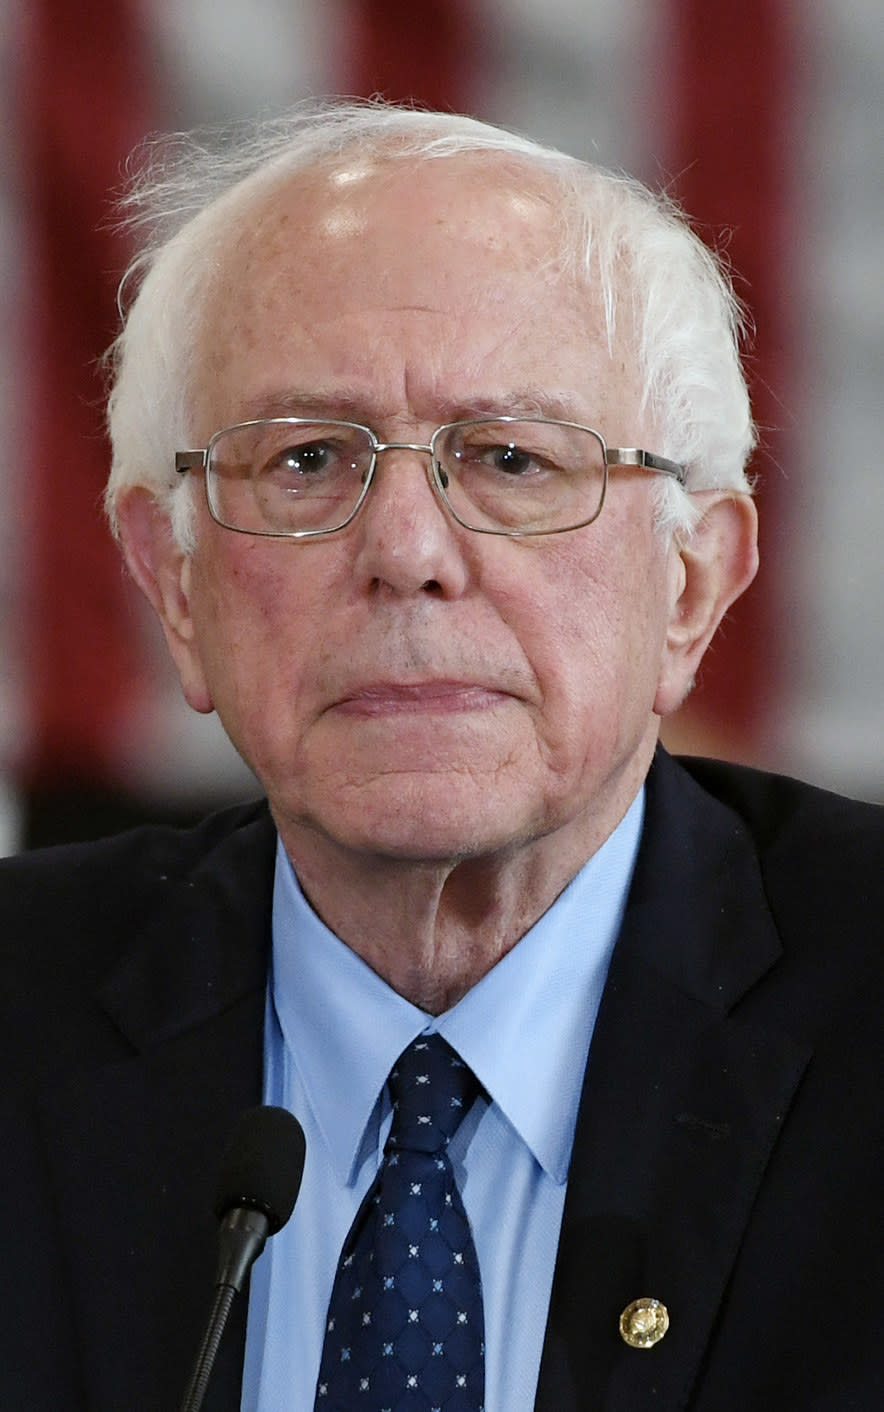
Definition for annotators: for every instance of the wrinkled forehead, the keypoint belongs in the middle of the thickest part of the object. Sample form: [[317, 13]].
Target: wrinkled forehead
[[354, 210], [448, 274]]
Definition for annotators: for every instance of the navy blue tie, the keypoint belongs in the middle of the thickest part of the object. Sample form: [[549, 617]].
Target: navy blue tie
[[405, 1328]]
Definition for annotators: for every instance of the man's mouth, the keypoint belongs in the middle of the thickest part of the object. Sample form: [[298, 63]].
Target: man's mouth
[[427, 697]]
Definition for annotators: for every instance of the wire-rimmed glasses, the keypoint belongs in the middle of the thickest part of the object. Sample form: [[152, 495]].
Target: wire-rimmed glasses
[[299, 478]]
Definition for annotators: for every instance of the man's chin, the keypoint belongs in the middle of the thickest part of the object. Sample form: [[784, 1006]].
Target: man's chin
[[426, 819]]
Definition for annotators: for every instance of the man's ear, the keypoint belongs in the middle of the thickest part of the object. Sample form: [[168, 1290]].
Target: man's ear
[[163, 572], [712, 566]]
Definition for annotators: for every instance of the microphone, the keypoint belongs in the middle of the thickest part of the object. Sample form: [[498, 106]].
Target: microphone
[[258, 1185]]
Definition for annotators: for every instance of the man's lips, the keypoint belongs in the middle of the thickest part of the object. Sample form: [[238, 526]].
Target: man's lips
[[439, 697]]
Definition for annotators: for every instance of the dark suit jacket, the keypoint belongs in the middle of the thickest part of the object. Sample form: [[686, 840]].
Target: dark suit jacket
[[728, 1155]]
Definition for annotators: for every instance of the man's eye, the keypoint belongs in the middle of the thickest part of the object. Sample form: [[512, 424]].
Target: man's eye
[[315, 456], [296, 461], [510, 459], [505, 458]]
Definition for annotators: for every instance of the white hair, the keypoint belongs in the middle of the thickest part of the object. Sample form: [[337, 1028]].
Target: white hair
[[655, 277]]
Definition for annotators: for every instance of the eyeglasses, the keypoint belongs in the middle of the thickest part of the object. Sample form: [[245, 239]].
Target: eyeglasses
[[294, 478]]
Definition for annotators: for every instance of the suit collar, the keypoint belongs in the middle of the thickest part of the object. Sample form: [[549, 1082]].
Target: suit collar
[[697, 912], [204, 944]]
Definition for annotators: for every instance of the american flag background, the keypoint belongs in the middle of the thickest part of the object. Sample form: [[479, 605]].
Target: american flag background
[[765, 118]]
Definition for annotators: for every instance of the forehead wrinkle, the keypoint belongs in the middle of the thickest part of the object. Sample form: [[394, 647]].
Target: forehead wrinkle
[[352, 405]]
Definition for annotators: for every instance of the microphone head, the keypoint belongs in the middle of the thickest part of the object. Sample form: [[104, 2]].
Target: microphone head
[[262, 1165]]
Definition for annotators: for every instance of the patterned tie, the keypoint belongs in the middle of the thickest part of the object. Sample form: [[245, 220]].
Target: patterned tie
[[405, 1328]]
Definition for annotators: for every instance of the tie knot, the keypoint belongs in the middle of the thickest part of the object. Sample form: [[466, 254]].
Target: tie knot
[[432, 1090]]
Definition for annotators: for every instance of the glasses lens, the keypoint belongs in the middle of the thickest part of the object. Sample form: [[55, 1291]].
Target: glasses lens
[[522, 477], [286, 476]]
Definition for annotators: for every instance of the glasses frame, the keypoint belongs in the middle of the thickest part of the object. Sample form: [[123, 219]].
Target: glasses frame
[[632, 456]]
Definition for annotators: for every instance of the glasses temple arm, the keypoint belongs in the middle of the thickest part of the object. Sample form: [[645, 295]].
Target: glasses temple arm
[[634, 456], [189, 461]]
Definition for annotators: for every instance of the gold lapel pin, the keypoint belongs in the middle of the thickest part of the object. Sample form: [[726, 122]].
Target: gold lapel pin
[[643, 1323]]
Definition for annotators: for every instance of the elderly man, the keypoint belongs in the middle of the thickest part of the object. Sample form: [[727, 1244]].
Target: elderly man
[[429, 452]]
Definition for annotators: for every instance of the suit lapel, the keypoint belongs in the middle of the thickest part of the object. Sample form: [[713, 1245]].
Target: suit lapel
[[683, 1100], [135, 1145]]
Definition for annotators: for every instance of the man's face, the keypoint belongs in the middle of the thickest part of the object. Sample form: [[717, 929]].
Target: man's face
[[407, 687]]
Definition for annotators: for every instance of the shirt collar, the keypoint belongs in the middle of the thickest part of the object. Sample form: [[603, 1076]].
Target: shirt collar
[[343, 1026], [524, 1029]]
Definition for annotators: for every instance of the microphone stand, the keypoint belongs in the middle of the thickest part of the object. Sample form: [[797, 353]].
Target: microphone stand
[[242, 1236]]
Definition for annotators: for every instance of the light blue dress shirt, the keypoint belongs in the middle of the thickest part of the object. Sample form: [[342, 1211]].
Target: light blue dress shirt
[[334, 1030]]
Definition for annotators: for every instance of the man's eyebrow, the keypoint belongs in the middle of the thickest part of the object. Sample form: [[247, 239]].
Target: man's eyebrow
[[339, 403], [524, 402]]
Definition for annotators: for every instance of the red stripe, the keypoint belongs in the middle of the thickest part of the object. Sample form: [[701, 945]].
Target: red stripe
[[731, 87], [84, 109], [430, 52]]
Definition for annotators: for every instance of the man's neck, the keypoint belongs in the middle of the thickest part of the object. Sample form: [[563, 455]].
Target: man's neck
[[433, 928]]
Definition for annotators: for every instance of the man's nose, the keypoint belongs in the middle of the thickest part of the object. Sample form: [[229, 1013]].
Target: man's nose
[[408, 539]]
